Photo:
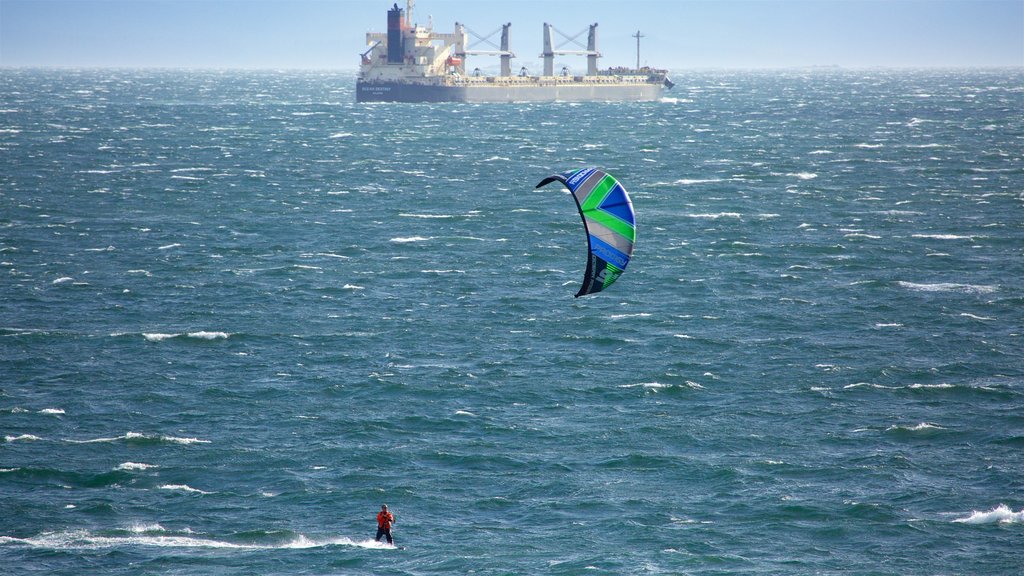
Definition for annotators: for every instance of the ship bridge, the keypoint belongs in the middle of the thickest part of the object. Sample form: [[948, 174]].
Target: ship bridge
[[408, 50]]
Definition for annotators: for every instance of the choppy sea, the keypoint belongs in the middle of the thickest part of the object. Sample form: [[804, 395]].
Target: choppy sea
[[239, 311]]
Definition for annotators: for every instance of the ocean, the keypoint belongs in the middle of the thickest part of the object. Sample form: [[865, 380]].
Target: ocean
[[240, 312]]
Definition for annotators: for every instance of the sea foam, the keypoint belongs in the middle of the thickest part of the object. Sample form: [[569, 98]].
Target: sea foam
[[947, 287], [131, 466], [22, 438], [1001, 514], [201, 335], [139, 437], [182, 488]]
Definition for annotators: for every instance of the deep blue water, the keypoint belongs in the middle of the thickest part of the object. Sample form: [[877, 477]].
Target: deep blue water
[[240, 311]]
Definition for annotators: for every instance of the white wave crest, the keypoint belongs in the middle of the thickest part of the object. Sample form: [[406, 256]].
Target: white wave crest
[[428, 216], [691, 181], [1001, 514], [870, 385], [85, 540], [647, 385], [178, 440], [326, 255], [22, 438], [51, 411], [922, 427], [200, 335], [715, 216], [140, 436], [132, 466], [143, 528], [182, 488], [947, 287], [655, 386], [944, 236]]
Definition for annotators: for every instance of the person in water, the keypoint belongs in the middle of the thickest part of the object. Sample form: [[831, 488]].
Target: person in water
[[384, 521]]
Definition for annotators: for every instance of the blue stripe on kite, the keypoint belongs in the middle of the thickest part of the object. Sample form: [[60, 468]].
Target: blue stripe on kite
[[608, 253], [574, 179]]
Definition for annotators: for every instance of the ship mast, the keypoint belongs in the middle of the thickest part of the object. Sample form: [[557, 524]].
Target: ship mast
[[638, 36], [408, 12]]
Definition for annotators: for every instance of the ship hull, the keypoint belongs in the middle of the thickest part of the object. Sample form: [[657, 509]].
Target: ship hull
[[572, 92]]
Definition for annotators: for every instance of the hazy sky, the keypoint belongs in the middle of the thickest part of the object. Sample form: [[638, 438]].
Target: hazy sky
[[678, 34]]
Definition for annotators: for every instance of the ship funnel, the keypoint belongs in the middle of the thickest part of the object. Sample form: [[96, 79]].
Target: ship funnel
[[396, 41]]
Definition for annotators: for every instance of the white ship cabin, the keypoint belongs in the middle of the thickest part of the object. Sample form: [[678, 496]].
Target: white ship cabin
[[408, 51]]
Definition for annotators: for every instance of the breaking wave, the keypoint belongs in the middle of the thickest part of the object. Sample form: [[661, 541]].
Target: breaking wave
[[1001, 514]]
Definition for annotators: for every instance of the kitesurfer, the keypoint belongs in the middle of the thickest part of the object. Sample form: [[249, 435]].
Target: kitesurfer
[[384, 521]]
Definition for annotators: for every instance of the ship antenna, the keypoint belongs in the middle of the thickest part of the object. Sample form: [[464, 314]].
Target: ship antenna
[[638, 36]]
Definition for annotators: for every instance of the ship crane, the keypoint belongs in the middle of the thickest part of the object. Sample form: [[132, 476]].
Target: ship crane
[[408, 12], [502, 51], [366, 55], [550, 51], [638, 36]]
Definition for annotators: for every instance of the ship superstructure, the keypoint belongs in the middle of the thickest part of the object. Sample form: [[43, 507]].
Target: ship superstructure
[[412, 63]]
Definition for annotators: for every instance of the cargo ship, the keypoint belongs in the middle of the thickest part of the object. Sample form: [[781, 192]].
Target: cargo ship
[[412, 63]]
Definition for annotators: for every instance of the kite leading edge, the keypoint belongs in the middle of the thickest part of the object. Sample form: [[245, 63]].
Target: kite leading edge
[[608, 220]]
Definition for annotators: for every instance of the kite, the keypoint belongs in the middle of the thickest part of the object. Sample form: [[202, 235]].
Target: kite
[[608, 220]]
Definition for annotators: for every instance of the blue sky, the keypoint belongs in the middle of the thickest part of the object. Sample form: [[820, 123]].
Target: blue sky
[[678, 34]]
